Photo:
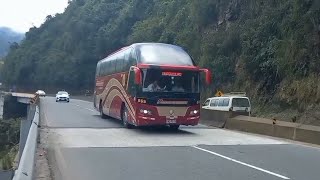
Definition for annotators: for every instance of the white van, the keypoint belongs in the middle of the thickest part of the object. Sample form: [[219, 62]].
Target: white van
[[240, 104]]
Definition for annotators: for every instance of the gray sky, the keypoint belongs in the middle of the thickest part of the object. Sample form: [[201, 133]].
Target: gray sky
[[20, 15]]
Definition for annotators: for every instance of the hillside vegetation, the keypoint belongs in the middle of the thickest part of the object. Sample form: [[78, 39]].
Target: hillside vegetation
[[7, 38], [268, 48], [9, 138]]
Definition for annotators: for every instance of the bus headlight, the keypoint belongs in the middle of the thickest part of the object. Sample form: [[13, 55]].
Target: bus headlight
[[145, 112], [194, 112]]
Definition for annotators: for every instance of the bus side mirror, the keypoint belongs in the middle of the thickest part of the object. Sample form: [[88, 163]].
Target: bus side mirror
[[137, 76], [208, 75]]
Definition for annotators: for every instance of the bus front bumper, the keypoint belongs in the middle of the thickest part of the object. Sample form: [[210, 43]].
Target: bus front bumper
[[160, 121]]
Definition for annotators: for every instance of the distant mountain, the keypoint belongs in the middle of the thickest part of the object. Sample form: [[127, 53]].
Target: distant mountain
[[8, 36]]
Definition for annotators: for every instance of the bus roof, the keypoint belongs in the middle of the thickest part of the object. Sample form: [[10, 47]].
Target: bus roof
[[162, 54], [158, 54]]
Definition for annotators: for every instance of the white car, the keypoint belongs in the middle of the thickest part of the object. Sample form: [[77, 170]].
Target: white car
[[239, 104], [62, 96], [41, 93]]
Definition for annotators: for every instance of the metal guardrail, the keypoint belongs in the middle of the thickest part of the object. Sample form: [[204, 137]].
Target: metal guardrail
[[26, 167]]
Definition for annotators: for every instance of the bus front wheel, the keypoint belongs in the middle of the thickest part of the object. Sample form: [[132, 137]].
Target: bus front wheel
[[124, 117], [102, 115]]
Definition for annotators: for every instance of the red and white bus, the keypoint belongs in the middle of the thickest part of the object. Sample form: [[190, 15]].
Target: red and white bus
[[149, 84]]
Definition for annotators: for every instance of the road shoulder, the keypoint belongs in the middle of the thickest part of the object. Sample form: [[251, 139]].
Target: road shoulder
[[43, 170]]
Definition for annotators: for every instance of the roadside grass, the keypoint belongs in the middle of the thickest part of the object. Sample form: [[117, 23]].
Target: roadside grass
[[9, 139]]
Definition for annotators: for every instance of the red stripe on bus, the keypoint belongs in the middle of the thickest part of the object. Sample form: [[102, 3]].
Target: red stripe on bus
[[115, 87]]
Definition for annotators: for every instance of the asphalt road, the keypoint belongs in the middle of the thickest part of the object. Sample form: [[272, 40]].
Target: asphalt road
[[85, 147], [75, 114]]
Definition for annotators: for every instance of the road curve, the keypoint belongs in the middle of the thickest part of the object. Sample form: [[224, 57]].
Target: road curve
[[83, 146]]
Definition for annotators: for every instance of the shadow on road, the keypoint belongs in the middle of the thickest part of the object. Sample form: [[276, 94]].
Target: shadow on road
[[161, 130], [156, 129]]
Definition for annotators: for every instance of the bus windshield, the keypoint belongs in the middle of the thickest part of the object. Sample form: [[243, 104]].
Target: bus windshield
[[156, 80]]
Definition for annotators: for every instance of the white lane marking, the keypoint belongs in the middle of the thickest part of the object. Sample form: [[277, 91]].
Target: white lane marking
[[85, 108], [242, 163]]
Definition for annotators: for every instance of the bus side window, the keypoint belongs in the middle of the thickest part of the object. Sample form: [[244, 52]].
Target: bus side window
[[107, 67], [102, 69], [112, 66], [119, 61], [126, 59], [114, 59], [98, 70], [132, 58], [131, 85]]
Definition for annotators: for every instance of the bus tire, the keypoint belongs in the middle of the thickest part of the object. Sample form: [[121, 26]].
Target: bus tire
[[124, 117], [174, 127], [102, 115]]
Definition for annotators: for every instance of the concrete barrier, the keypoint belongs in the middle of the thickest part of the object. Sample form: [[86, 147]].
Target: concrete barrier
[[307, 133], [27, 162], [217, 118], [214, 118], [25, 128], [282, 129], [248, 124]]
